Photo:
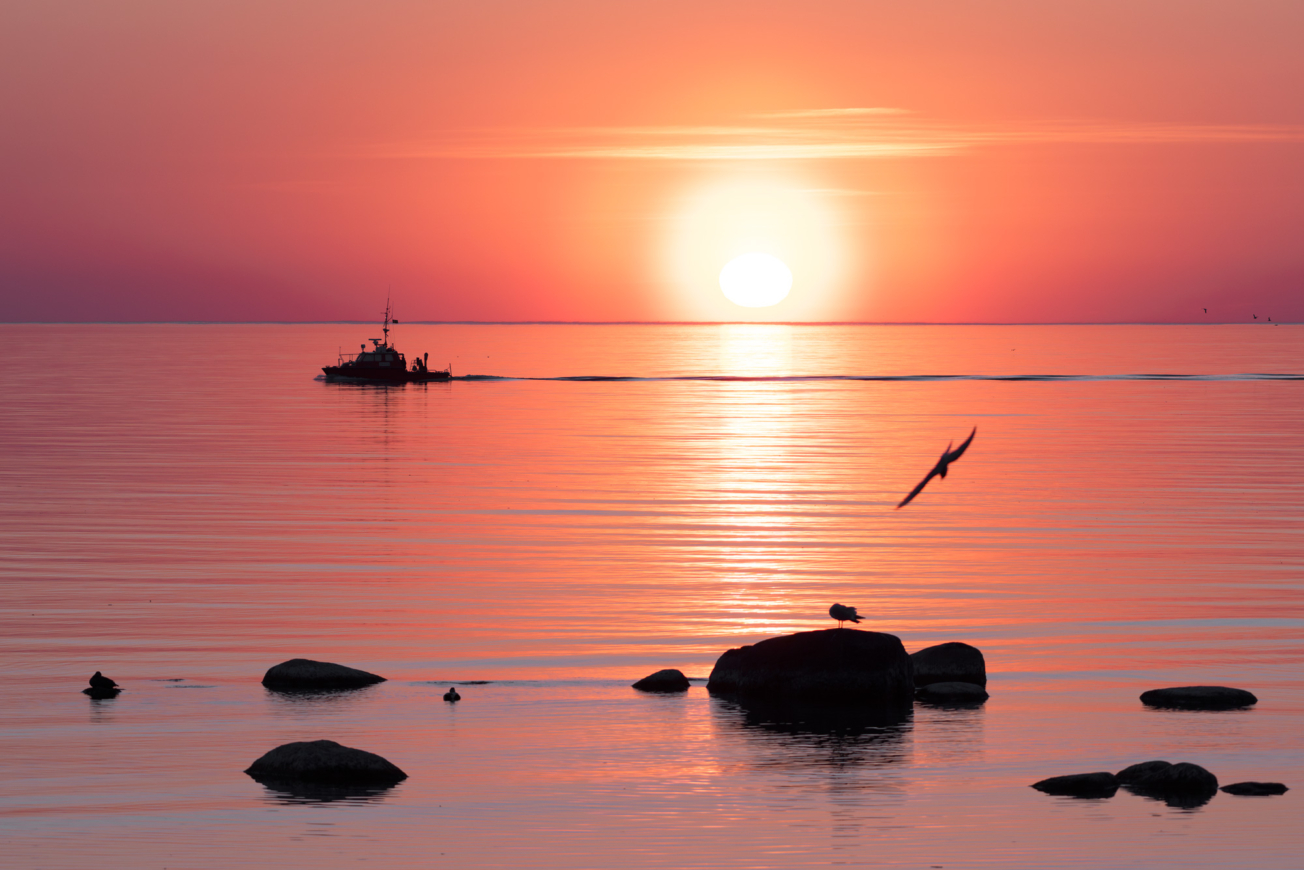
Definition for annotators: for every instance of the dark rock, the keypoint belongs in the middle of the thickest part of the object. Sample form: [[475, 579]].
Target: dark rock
[[306, 674], [953, 662], [1092, 785], [835, 666], [1255, 789], [1178, 785], [668, 680], [101, 694], [1141, 770], [952, 693], [1199, 698], [323, 761]]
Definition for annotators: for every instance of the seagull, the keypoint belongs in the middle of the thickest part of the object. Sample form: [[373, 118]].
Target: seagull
[[451, 694], [843, 614], [948, 456], [102, 683]]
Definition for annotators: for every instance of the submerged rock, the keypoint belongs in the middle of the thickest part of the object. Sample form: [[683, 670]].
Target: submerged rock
[[668, 680], [323, 761], [307, 675], [1199, 698], [1178, 785], [952, 693], [952, 662], [1255, 789], [1093, 785], [1140, 770], [838, 666]]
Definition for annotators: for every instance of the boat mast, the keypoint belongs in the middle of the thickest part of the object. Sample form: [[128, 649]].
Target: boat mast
[[386, 321]]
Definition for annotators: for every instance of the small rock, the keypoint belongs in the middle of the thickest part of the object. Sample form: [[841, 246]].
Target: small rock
[[668, 680], [952, 662], [1199, 698], [323, 761], [1095, 785], [1255, 789], [1141, 770], [1178, 785], [952, 693], [306, 674]]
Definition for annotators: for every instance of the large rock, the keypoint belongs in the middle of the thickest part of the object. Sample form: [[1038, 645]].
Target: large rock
[[835, 666], [1178, 785], [952, 662], [952, 693], [306, 674], [1093, 785], [668, 680], [1255, 789], [1141, 770], [324, 761], [1199, 698]]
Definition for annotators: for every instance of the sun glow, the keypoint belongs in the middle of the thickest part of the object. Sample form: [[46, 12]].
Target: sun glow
[[755, 280], [767, 228]]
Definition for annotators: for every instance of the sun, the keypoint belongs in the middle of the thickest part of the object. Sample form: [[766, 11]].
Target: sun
[[755, 280]]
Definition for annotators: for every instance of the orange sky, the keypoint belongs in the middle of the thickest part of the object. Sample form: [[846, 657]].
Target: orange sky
[[931, 161]]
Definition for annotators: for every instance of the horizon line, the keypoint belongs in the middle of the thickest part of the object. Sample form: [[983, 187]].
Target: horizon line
[[648, 322]]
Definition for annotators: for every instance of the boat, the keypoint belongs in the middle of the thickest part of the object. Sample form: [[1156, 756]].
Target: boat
[[383, 364]]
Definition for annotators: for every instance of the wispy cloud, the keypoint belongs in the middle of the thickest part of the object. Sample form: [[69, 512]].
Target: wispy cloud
[[820, 134]]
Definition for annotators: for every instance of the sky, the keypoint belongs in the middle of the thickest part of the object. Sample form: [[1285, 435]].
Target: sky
[[575, 160]]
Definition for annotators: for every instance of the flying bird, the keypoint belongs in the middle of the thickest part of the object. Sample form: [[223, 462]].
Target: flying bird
[[101, 683], [843, 614], [948, 456]]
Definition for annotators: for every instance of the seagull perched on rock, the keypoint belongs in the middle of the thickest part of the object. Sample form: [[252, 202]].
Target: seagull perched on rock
[[948, 456], [451, 694], [102, 683], [843, 614]]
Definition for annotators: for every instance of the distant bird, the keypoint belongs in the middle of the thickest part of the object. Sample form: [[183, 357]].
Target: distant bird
[[451, 694], [948, 456], [1206, 311], [1256, 317], [843, 614], [101, 683], [1270, 318]]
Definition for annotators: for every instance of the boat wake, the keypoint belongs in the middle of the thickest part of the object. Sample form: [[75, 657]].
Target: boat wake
[[1249, 376]]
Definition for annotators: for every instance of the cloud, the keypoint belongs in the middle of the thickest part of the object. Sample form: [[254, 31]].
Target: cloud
[[821, 134]]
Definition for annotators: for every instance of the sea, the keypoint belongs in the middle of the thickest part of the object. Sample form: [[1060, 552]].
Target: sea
[[183, 506]]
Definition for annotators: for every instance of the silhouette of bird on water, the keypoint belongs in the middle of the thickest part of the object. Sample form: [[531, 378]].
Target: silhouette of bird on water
[[101, 683], [451, 694], [948, 456], [843, 614]]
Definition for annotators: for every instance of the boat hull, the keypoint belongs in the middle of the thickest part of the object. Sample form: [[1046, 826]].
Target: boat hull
[[383, 375]]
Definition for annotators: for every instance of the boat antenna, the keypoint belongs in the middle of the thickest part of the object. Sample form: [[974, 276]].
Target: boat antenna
[[387, 320]]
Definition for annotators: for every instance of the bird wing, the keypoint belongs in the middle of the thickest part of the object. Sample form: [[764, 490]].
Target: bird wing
[[914, 492], [959, 451]]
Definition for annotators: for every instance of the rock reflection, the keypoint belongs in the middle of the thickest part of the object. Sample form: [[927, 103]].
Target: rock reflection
[[297, 792], [811, 736], [304, 700]]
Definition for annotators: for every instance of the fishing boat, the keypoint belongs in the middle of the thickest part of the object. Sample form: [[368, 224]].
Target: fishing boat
[[383, 364]]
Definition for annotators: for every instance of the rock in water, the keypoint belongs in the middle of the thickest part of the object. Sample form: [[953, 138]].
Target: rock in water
[[1178, 785], [953, 662], [1140, 770], [324, 761], [1199, 698], [306, 674], [834, 666], [1093, 785], [668, 680], [1255, 789], [952, 693]]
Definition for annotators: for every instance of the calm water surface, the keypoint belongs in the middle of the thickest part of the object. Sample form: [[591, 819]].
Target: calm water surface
[[183, 506]]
